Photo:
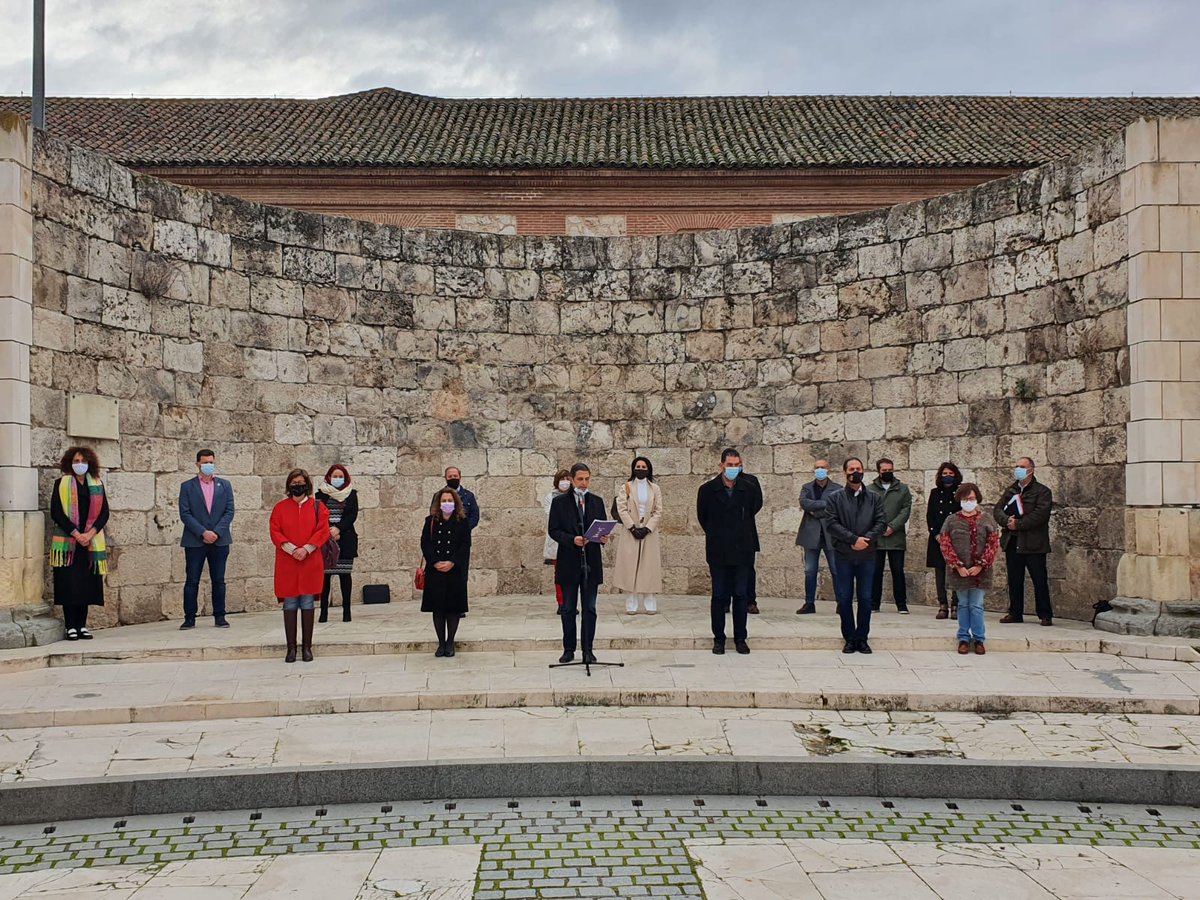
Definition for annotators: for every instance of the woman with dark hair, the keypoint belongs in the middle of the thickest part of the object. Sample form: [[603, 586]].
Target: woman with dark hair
[[942, 504], [78, 552], [341, 500], [639, 552], [562, 484], [299, 529], [446, 548]]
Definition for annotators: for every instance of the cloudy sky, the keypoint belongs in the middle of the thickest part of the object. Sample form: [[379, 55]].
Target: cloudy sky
[[460, 48]]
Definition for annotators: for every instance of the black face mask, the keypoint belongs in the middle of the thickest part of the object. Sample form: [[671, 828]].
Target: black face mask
[[453, 483], [297, 490], [640, 473], [855, 477], [887, 477], [947, 481]]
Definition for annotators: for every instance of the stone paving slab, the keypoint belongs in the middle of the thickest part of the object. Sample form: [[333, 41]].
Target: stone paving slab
[[128, 692], [658, 847], [522, 623]]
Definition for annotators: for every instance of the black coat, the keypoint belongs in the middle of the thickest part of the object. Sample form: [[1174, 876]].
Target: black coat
[[564, 526], [850, 516], [445, 540], [941, 506], [730, 532], [1033, 527], [348, 536]]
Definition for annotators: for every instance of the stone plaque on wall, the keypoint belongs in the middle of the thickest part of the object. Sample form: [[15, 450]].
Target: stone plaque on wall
[[92, 416]]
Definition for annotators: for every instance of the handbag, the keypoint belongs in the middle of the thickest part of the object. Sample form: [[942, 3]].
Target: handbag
[[419, 575], [330, 551]]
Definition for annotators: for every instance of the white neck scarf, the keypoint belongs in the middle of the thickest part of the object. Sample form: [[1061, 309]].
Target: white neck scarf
[[340, 496]]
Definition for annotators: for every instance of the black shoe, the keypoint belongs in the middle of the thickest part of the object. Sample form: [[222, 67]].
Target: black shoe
[[306, 654], [850, 647], [71, 634], [719, 648], [558, 612], [291, 655], [805, 610], [875, 607], [440, 651], [323, 616], [220, 622], [902, 609], [462, 615], [742, 647], [449, 648], [186, 624], [752, 608], [589, 657], [85, 635], [346, 617], [864, 647], [568, 656]]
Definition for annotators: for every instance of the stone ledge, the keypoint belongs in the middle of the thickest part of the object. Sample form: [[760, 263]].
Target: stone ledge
[[1135, 616], [50, 802]]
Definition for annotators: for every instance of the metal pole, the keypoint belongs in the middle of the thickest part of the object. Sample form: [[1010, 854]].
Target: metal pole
[[39, 64]]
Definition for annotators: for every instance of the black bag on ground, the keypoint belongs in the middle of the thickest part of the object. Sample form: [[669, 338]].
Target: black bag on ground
[[376, 593]]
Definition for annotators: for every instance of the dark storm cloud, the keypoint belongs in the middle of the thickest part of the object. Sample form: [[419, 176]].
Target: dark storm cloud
[[608, 47]]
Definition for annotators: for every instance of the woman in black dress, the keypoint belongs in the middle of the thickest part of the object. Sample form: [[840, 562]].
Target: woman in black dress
[[445, 547], [341, 499], [78, 551], [940, 507]]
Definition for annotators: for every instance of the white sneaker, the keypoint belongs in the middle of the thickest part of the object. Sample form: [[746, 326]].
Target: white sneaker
[[631, 606], [651, 606]]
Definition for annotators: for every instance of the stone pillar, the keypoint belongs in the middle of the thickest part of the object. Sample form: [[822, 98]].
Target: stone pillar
[[1158, 578], [21, 523]]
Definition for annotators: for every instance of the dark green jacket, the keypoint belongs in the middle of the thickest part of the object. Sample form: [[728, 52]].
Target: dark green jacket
[[897, 507]]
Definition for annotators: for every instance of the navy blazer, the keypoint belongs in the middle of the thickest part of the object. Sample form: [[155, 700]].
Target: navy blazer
[[564, 526], [470, 506], [196, 517]]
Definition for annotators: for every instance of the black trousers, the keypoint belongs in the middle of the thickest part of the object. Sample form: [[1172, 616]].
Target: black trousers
[[730, 586], [895, 561], [1035, 565], [75, 615]]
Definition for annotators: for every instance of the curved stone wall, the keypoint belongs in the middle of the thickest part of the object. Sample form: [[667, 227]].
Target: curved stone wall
[[978, 326]]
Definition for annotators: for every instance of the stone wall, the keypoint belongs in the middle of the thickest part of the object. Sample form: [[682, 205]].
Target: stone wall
[[978, 326]]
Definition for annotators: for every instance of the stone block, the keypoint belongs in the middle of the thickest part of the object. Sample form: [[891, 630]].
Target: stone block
[[1178, 139], [1179, 228], [1155, 361], [1141, 142], [1144, 484]]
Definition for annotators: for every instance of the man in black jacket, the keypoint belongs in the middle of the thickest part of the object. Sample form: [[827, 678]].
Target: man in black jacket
[[725, 508], [855, 522], [580, 570], [1023, 515]]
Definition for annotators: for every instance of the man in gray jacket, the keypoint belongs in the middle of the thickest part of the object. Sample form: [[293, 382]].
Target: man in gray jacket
[[855, 522], [889, 549], [812, 536]]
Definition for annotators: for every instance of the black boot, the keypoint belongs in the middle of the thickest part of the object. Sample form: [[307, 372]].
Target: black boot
[[306, 623], [289, 631], [325, 602], [345, 580]]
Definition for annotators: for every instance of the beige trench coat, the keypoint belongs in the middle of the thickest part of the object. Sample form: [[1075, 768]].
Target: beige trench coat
[[639, 563]]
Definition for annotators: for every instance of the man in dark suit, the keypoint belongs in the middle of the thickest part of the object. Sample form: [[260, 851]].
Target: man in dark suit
[[453, 475], [206, 509], [725, 508], [580, 570]]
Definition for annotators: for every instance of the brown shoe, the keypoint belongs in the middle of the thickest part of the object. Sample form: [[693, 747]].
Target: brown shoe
[[942, 613], [752, 608], [1047, 622], [963, 648], [979, 648], [1010, 619]]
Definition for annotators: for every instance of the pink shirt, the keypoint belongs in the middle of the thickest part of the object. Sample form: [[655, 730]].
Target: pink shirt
[[208, 488]]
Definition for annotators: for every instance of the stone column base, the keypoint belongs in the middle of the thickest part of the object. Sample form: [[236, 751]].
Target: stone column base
[[29, 626], [22, 580], [1132, 615]]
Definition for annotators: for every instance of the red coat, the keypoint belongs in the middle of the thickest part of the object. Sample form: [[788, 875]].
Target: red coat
[[299, 524]]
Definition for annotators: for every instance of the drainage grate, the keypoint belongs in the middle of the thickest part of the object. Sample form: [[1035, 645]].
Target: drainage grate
[[697, 802], [824, 804], [760, 802], [386, 808], [50, 829], [637, 803], [120, 823], [950, 805], [888, 804], [255, 816], [1017, 807], [513, 804], [576, 804], [322, 811], [451, 806], [189, 820]]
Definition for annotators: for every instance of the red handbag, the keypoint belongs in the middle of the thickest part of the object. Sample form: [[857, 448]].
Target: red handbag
[[419, 575]]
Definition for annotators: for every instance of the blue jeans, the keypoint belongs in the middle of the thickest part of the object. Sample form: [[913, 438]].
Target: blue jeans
[[812, 562], [573, 595], [730, 584], [304, 601], [854, 576], [216, 556], [970, 615]]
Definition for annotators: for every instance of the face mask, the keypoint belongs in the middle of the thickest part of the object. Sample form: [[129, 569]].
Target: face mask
[[947, 481], [453, 483], [821, 474], [79, 468], [855, 477], [564, 486], [640, 473], [336, 482], [582, 492], [968, 506], [887, 477], [447, 507], [1020, 473], [208, 470], [732, 472], [297, 490]]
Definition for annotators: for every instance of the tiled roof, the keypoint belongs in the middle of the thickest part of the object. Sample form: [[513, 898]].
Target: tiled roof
[[389, 128]]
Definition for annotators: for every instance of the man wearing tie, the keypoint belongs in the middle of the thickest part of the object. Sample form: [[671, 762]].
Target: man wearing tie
[[206, 509], [580, 570]]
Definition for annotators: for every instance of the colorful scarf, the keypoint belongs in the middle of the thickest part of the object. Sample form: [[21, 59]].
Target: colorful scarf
[[62, 545]]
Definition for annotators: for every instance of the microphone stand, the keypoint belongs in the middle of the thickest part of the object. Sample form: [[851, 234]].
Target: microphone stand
[[585, 638]]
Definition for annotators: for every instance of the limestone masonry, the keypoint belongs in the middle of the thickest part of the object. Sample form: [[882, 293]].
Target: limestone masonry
[[978, 326]]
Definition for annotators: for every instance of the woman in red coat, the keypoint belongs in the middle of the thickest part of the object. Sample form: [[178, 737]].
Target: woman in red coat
[[299, 528]]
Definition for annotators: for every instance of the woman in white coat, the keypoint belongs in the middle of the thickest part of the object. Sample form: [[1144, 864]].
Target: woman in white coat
[[639, 551]]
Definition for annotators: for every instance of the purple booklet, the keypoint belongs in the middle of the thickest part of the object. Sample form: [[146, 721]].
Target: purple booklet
[[600, 528]]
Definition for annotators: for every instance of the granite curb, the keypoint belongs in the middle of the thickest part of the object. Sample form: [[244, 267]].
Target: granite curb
[[217, 790]]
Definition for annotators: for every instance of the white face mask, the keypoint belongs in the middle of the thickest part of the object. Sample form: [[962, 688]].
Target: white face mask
[[79, 468], [968, 506], [564, 486]]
